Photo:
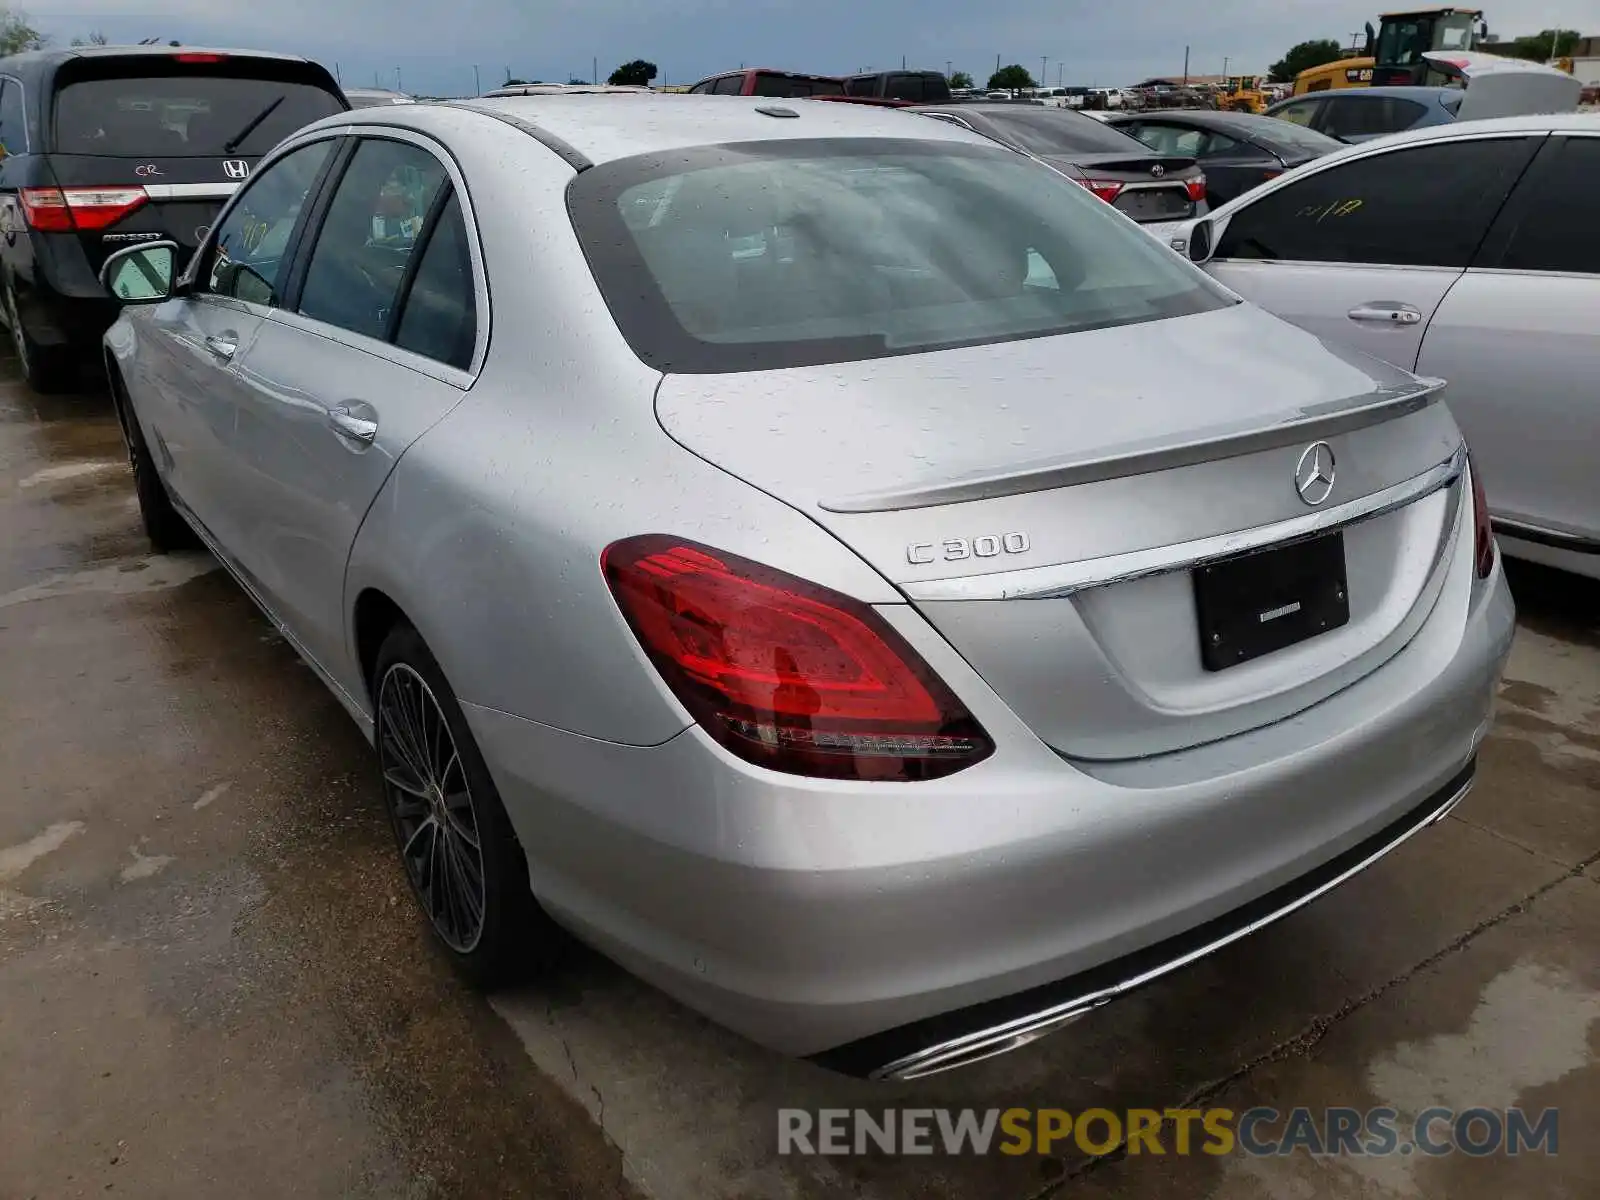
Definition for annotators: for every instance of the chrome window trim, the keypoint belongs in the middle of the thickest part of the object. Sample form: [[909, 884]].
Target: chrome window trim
[[1042, 583], [986, 1043], [221, 190]]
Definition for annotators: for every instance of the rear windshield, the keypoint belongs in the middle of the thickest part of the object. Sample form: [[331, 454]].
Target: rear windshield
[[789, 253], [175, 115], [1048, 131], [772, 84]]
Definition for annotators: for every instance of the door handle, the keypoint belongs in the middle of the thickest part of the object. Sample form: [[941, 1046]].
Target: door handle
[[347, 425], [1385, 313], [223, 347]]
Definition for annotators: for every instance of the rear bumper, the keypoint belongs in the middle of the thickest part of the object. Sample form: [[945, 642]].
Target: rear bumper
[[982, 1031], [817, 916]]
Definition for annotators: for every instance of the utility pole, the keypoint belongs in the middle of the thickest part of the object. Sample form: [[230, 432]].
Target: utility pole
[[477, 87], [1044, 60], [902, 62], [1186, 66], [947, 66], [594, 70], [1224, 66], [397, 86], [997, 64]]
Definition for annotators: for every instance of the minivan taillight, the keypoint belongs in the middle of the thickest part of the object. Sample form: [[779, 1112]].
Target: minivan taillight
[[1482, 528], [784, 673], [1196, 188], [62, 210]]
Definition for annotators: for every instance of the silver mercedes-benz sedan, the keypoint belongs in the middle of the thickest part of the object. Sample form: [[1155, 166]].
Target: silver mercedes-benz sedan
[[833, 564]]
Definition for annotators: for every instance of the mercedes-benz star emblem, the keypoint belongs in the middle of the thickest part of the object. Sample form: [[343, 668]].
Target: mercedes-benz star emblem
[[1313, 475]]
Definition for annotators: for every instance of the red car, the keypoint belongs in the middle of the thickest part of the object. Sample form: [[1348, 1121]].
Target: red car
[[760, 81]]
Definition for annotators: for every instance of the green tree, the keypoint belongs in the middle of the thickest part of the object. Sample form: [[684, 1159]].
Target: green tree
[[574, 81], [1541, 46], [16, 35], [1303, 57], [637, 73], [1010, 79], [960, 80], [94, 39]]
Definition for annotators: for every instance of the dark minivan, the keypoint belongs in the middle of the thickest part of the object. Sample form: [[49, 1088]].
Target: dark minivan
[[107, 146]]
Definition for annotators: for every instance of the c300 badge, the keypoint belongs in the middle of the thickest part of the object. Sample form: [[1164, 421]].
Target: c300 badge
[[989, 545]]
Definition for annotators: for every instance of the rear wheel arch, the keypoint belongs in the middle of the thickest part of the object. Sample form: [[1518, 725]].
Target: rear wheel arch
[[375, 615]]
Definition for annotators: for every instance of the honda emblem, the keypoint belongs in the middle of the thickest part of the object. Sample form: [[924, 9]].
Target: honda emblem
[[236, 168]]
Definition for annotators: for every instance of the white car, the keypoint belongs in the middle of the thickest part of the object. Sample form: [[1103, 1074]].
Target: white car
[[1466, 252]]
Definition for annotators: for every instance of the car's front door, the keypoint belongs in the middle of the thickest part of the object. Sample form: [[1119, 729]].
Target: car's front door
[[373, 347], [1363, 250], [190, 391], [1519, 340]]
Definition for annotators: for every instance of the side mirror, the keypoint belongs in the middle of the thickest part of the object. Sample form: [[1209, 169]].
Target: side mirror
[[141, 274], [1196, 241]]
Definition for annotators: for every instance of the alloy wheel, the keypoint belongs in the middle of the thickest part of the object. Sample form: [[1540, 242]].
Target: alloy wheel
[[430, 800]]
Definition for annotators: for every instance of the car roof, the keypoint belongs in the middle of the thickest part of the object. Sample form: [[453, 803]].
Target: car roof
[[63, 54], [602, 128]]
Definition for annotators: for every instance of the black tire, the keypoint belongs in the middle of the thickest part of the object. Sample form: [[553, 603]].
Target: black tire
[[514, 938], [164, 525], [46, 369]]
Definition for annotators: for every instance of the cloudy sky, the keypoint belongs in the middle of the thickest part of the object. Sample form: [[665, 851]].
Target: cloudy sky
[[435, 43]]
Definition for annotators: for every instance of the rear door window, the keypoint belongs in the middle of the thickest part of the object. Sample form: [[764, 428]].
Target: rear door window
[[13, 119], [730, 85], [184, 115], [367, 238], [1350, 117], [439, 317], [1549, 225], [1418, 206], [905, 87]]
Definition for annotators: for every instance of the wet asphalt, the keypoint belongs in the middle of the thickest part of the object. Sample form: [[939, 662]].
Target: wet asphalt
[[213, 983], [212, 980]]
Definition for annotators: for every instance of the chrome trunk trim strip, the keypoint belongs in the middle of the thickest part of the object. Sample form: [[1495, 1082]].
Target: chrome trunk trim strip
[[1041, 583]]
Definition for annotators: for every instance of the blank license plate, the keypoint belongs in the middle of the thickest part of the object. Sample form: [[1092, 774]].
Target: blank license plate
[[1266, 600]]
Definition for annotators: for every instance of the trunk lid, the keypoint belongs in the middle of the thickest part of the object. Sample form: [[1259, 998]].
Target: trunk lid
[[974, 477]]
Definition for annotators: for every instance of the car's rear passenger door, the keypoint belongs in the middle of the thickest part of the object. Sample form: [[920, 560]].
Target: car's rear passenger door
[[384, 327], [1362, 250], [1519, 340]]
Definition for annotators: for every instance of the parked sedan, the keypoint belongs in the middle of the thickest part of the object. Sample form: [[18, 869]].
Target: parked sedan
[[1237, 151], [1138, 182], [1466, 252], [828, 561]]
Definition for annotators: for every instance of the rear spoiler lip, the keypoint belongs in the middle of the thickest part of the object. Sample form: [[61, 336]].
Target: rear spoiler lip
[[1137, 458]]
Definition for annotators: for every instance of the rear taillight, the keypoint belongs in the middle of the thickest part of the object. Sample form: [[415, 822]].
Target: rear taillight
[[784, 673], [1196, 188], [62, 210], [1107, 189], [1482, 529]]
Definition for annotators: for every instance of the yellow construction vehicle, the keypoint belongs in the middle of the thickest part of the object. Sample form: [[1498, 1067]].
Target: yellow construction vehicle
[[1242, 93], [1393, 53]]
